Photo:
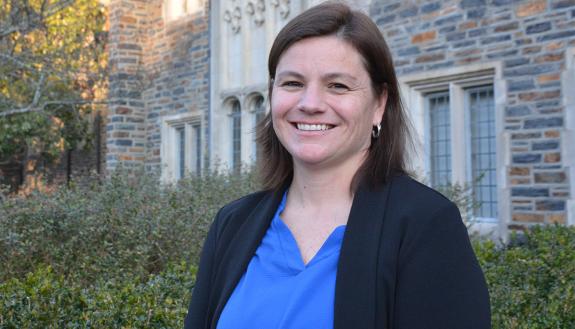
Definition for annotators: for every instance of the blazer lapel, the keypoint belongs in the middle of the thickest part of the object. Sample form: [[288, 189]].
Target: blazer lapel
[[355, 292], [242, 248]]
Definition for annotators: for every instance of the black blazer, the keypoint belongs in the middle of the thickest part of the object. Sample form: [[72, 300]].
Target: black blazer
[[405, 263]]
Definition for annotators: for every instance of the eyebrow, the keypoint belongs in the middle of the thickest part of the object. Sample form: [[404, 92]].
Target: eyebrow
[[328, 76]]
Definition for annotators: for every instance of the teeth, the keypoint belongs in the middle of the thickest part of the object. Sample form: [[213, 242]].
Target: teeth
[[307, 127]]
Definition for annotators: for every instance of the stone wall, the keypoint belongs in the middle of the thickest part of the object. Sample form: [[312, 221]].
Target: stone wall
[[126, 131], [177, 64], [157, 68], [530, 40]]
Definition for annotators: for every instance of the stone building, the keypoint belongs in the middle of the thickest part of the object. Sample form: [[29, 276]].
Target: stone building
[[489, 86]]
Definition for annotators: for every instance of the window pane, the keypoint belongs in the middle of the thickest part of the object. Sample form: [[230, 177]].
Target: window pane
[[483, 157], [440, 138], [181, 152], [197, 148], [260, 114], [236, 135]]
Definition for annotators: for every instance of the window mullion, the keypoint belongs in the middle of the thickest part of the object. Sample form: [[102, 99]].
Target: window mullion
[[458, 134]]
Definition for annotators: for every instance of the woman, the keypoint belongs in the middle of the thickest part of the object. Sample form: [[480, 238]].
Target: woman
[[341, 237]]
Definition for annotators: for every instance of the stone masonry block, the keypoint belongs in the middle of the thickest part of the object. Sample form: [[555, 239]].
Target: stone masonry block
[[518, 110], [557, 35], [538, 28], [562, 4], [531, 8], [536, 96], [448, 20], [520, 85], [477, 32], [472, 3], [519, 171], [556, 218], [543, 123], [385, 20], [528, 217], [530, 135], [552, 157], [527, 158], [455, 36], [409, 12], [424, 37], [531, 192], [476, 13], [502, 2], [550, 205], [506, 27], [516, 62], [550, 177], [430, 7], [430, 58], [545, 146], [496, 39]]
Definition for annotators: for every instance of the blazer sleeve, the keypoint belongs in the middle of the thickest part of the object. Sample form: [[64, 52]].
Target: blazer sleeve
[[440, 284], [199, 304]]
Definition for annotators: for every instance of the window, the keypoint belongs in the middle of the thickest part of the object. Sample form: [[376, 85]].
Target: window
[[479, 143], [181, 148], [455, 117], [174, 9], [236, 116], [259, 116], [439, 138], [480, 106], [181, 152]]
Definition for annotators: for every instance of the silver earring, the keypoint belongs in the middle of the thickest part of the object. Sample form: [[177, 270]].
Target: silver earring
[[376, 131]]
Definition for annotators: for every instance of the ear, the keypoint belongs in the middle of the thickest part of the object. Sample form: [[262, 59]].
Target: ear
[[380, 108]]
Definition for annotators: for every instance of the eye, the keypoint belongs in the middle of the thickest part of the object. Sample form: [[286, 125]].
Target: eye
[[339, 87], [291, 84]]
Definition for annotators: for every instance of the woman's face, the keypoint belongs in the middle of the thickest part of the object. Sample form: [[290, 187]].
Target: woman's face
[[323, 106]]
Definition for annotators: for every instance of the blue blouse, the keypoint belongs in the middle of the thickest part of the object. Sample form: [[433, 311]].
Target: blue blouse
[[278, 290]]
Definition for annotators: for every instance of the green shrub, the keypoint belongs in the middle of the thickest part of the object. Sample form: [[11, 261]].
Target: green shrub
[[47, 300], [99, 256], [532, 280], [124, 226]]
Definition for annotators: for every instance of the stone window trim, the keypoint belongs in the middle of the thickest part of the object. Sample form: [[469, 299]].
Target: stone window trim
[[246, 97], [170, 125], [568, 151], [173, 10], [455, 81]]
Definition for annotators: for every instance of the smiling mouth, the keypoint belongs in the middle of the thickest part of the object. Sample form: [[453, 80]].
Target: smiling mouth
[[313, 127]]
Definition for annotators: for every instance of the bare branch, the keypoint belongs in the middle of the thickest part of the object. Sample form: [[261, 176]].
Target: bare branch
[[41, 108]]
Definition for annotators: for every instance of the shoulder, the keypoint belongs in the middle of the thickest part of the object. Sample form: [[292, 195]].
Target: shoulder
[[408, 190], [232, 215], [413, 201], [243, 204]]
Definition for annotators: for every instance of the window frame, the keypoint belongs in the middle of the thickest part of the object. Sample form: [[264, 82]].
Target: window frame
[[171, 127], [456, 80]]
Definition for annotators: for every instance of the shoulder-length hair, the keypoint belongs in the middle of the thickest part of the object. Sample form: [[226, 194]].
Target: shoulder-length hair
[[386, 154]]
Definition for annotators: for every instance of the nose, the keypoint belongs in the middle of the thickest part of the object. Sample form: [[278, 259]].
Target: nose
[[311, 100]]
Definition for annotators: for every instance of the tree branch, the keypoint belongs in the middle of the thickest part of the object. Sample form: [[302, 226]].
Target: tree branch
[[41, 108]]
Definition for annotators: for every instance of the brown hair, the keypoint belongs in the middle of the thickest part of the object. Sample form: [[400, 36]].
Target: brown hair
[[386, 155]]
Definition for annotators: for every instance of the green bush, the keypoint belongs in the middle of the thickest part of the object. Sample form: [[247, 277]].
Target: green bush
[[532, 280], [99, 256], [128, 225], [44, 299]]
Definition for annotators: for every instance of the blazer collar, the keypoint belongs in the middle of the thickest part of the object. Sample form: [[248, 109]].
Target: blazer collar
[[355, 293], [243, 246]]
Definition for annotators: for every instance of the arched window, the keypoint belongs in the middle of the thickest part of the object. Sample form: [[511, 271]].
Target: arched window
[[259, 115], [236, 135]]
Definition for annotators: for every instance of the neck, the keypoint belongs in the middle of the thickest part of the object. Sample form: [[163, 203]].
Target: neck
[[318, 187]]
